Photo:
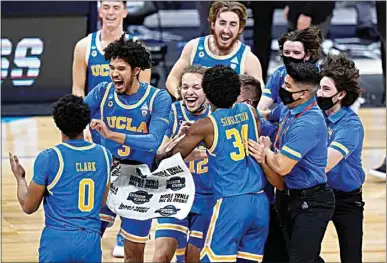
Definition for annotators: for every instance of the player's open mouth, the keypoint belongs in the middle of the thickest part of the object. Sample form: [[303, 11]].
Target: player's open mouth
[[191, 101], [110, 19], [119, 84], [225, 38]]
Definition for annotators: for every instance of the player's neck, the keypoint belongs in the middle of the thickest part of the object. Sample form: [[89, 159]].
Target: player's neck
[[111, 34], [66, 138], [333, 110], [134, 88]]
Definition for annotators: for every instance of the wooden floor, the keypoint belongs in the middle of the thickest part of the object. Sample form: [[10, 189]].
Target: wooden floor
[[21, 233]]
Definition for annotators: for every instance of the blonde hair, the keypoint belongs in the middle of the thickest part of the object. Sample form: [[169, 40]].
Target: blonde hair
[[195, 69], [218, 7]]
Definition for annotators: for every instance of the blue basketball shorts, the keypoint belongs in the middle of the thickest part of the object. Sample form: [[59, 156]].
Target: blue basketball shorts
[[70, 246], [238, 229]]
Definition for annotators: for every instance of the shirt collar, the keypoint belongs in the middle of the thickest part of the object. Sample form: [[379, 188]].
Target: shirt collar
[[338, 115], [302, 106]]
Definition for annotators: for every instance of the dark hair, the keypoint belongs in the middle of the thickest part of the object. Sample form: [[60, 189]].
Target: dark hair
[[218, 7], [124, 2], [304, 73], [253, 86], [195, 69], [310, 37], [221, 85], [131, 51], [345, 75], [71, 115]]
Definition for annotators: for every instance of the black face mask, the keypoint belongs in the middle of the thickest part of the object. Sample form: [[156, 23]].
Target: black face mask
[[326, 103], [202, 107], [288, 60], [287, 96]]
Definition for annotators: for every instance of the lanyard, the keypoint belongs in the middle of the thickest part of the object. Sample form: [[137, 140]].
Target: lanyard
[[281, 132]]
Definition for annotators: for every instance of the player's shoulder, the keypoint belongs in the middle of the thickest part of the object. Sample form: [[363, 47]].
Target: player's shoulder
[[83, 43]]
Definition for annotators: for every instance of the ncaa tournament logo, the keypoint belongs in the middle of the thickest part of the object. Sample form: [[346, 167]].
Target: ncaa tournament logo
[[168, 210], [139, 197], [144, 110], [176, 183]]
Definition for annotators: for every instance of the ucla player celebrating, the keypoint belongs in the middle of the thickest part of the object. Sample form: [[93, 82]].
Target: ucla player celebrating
[[134, 118], [73, 177], [236, 178], [222, 47], [172, 233], [90, 68]]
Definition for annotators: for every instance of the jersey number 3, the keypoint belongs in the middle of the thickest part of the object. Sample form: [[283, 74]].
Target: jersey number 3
[[86, 204], [240, 142]]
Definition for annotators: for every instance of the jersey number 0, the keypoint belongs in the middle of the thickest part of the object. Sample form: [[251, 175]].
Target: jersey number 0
[[86, 204]]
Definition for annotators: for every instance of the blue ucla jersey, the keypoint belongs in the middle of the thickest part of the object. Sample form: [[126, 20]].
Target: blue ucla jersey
[[97, 65], [232, 171], [198, 168], [201, 55], [129, 114], [76, 174]]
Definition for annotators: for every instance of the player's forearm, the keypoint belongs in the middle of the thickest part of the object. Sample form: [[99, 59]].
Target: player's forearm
[[22, 190], [272, 161], [196, 155], [172, 83], [79, 91], [274, 178]]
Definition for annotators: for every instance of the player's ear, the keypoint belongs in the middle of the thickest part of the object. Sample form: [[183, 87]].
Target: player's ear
[[137, 71]]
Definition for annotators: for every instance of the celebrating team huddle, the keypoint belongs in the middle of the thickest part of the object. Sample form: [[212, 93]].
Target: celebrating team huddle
[[242, 160]]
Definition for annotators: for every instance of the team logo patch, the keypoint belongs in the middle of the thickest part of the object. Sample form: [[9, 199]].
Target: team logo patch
[[168, 210], [201, 54], [176, 183], [139, 197], [144, 110], [94, 53], [200, 47], [110, 103], [330, 131]]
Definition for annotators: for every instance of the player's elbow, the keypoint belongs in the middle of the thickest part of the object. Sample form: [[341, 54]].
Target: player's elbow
[[28, 210], [283, 170]]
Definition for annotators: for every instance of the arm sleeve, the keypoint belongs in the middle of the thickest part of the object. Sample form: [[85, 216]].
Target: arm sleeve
[[168, 133], [42, 168], [94, 98], [346, 139], [272, 86], [158, 125], [299, 140]]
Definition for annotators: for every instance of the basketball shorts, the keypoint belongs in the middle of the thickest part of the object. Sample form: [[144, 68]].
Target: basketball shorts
[[238, 229], [70, 246]]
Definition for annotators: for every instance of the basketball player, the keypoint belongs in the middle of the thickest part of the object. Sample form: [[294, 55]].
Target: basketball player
[[73, 177], [227, 20], [172, 233], [91, 68], [236, 178], [134, 118]]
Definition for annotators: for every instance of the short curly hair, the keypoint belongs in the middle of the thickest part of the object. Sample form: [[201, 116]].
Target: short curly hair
[[346, 76], [71, 115], [253, 86], [222, 86], [131, 51], [304, 73], [310, 37]]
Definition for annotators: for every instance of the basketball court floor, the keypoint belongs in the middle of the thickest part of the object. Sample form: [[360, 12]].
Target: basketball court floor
[[26, 137]]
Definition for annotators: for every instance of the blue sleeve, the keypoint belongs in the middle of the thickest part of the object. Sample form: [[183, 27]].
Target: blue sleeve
[[268, 128], [272, 86], [42, 167], [169, 131], [299, 140], [94, 98], [158, 125], [275, 114], [346, 139]]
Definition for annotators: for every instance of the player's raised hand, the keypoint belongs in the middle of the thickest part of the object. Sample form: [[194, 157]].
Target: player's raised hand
[[100, 126], [265, 141], [87, 135], [257, 150], [184, 127], [16, 167]]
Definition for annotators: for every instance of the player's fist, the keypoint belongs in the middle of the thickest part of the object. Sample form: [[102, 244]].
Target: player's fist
[[265, 141], [17, 169], [184, 128], [257, 151], [100, 126]]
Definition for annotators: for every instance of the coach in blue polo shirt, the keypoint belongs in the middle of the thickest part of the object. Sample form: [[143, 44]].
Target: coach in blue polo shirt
[[339, 89], [296, 46], [300, 155]]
